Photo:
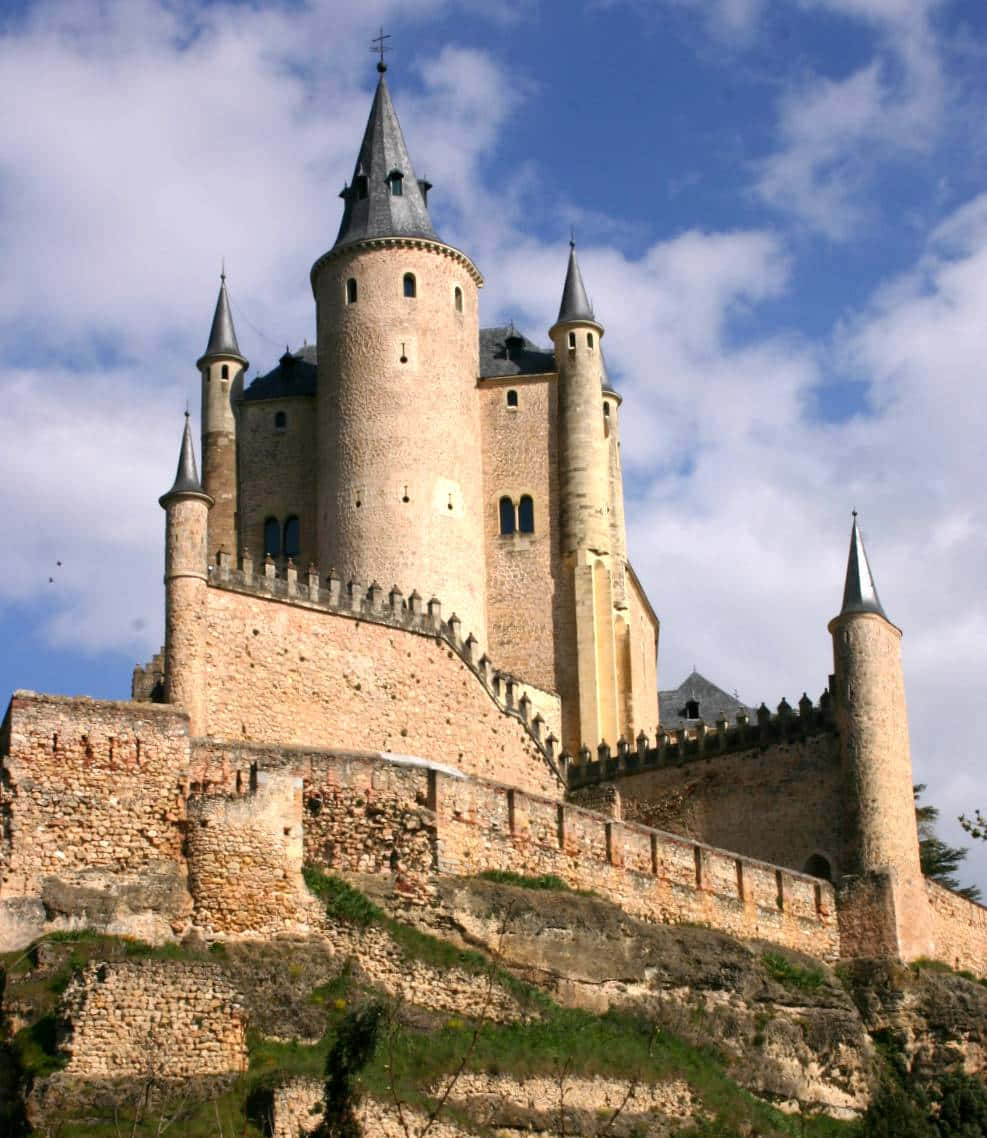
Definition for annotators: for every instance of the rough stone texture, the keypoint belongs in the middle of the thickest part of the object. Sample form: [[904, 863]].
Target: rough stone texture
[[158, 1019], [277, 474], [400, 470], [725, 799], [282, 673], [959, 929], [186, 612], [93, 806], [219, 465]]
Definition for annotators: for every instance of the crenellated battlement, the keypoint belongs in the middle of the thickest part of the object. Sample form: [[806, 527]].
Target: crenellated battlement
[[392, 609], [701, 740]]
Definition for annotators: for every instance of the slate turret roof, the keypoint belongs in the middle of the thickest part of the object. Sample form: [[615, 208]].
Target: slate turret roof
[[575, 303], [187, 474], [859, 591], [222, 334], [373, 208]]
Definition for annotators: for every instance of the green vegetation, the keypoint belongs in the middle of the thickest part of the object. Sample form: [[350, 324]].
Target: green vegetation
[[543, 881], [793, 975], [926, 964], [939, 860], [342, 901]]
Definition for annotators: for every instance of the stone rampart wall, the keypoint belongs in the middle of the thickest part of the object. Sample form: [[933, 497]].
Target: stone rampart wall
[[959, 929], [281, 670], [152, 1019]]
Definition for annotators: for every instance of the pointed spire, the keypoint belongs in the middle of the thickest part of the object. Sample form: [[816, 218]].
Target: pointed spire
[[575, 303], [222, 334], [187, 474], [859, 592], [384, 199]]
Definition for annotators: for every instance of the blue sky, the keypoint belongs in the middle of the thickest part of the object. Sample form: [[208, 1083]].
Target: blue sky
[[781, 213]]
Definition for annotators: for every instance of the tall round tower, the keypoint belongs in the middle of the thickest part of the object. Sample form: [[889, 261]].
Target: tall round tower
[[222, 368], [400, 465], [869, 701], [186, 508]]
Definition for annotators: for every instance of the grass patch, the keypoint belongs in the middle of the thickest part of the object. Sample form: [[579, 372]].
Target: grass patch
[[544, 881], [341, 900], [927, 964], [793, 975]]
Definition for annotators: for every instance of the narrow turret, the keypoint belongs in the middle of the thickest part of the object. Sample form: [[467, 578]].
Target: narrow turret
[[186, 507], [222, 368], [869, 702]]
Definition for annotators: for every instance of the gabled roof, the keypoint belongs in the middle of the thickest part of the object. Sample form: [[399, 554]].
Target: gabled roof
[[714, 703], [372, 209], [295, 374], [859, 590], [503, 351]]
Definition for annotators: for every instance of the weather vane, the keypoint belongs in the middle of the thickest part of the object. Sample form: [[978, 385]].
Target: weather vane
[[378, 45]]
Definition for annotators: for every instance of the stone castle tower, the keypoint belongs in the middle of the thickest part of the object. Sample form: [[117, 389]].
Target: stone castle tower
[[410, 448]]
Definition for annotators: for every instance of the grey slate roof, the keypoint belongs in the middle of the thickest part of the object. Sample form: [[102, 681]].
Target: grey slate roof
[[371, 209], [859, 591], [222, 334], [517, 357], [714, 703], [187, 474], [575, 303], [294, 375]]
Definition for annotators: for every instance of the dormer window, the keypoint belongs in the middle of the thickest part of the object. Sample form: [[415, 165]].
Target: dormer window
[[692, 709], [395, 182]]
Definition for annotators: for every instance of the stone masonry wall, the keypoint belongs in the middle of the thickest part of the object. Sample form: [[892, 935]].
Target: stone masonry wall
[[290, 674], [781, 804], [520, 456], [150, 1018], [89, 784], [959, 929]]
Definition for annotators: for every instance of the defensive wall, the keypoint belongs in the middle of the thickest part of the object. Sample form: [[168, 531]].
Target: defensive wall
[[297, 662], [719, 783], [114, 818]]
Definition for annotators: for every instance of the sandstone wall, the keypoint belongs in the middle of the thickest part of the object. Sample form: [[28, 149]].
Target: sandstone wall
[[643, 629], [520, 456], [782, 804], [277, 473], [959, 929], [290, 674], [160, 1019]]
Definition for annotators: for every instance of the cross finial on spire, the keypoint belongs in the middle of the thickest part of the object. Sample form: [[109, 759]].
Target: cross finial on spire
[[854, 512], [222, 270], [572, 237], [378, 45]]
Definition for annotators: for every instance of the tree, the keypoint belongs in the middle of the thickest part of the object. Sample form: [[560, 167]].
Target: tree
[[939, 860], [976, 826], [354, 1047]]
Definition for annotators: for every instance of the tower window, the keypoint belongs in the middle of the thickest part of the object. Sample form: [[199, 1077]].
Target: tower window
[[272, 537], [572, 341], [506, 515], [526, 514], [292, 538], [225, 372], [606, 410], [692, 709], [395, 181], [512, 398], [351, 291], [409, 285], [280, 421], [458, 296], [362, 186], [589, 340]]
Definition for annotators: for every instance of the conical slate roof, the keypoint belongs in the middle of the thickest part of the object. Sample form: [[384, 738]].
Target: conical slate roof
[[384, 198], [575, 303], [222, 334], [859, 592], [187, 474]]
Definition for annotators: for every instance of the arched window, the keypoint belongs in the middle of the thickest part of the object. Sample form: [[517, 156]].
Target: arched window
[[818, 866], [280, 421], [272, 537], [589, 340], [351, 291], [409, 284], [395, 181], [506, 515], [526, 514], [458, 296], [512, 398], [292, 538], [225, 373]]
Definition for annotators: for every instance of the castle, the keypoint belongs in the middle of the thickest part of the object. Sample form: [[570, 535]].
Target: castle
[[401, 589]]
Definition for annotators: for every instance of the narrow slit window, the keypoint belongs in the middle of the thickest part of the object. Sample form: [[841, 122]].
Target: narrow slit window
[[458, 295], [589, 340], [272, 537], [351, 291], [292, 537], [606, 410], [280, 421], [526, 514], [572, 341], [512, 398], [506, 515], [409, 285], [225, 373]]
